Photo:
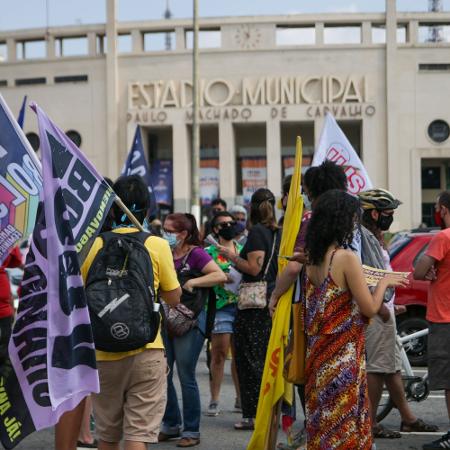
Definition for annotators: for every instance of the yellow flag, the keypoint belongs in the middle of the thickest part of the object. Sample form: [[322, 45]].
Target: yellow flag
[[272, 384]]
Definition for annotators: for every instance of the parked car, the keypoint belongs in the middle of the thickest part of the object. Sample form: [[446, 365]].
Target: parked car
[[405, 249]]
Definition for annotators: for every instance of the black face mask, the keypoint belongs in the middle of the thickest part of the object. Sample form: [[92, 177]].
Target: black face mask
[[384, 222], [228, 233]]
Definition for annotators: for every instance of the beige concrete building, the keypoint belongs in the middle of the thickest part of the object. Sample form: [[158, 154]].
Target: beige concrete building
[[263, 80]]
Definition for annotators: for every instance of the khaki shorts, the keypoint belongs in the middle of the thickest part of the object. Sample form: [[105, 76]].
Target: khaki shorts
[[382, 351], [439, 356], [132, 397]]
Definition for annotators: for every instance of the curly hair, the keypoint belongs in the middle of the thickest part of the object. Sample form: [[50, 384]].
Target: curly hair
[[332, 221], [325, 177]]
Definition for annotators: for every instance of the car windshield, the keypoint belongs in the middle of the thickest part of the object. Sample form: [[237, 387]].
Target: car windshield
[[397, 243]]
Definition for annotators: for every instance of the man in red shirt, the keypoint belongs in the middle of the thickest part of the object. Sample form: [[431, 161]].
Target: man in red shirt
[[14, 259], [434, 265]]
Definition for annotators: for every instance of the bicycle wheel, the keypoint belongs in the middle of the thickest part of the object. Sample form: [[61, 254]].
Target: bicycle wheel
[[385, 406]]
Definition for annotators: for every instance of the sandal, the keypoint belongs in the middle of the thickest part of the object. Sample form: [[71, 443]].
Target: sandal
[[188, 442], [245, 424], [381, 432], [82, 444], [418, 426]]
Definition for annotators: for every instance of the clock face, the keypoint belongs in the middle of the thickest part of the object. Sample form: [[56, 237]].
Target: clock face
[[247, 37]]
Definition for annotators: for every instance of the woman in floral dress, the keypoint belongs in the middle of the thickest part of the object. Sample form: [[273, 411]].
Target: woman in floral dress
[[337, 303]]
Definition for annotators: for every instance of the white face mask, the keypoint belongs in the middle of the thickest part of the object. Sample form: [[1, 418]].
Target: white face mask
[[306, 201]]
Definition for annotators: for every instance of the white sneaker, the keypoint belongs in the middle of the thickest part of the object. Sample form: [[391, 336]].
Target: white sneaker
[[213, 409]]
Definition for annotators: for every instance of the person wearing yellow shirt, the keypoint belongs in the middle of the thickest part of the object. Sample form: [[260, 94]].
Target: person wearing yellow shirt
[[133, 384]]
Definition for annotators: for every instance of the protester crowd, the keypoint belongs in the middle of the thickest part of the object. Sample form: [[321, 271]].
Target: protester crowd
[[219, 284]]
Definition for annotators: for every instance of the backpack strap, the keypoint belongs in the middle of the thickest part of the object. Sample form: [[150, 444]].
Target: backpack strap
[[274, 243]]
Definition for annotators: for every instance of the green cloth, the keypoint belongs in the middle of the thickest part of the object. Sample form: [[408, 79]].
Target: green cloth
[[223, 297]]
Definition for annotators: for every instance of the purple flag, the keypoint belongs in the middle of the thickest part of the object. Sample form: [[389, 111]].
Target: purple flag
[[20, 183], [136, 164], [52, 349]]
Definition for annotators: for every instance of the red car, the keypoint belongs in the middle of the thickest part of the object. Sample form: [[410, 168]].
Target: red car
[[405, 249]]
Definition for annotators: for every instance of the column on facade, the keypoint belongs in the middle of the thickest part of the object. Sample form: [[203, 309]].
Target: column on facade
[[181, 167], [112, 116], [227, 162], [273, 155], [396, 170]]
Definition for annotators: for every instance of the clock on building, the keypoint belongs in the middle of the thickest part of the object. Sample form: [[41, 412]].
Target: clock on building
[[247, 36]]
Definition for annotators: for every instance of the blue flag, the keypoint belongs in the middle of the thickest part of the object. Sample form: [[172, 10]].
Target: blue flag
[[21, 118], [136, 164]]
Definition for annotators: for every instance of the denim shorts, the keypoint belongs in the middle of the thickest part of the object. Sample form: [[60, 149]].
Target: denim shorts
[[224, 321]]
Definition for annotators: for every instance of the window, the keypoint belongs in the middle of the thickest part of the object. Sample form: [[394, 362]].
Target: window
[[157, 42], [124, 43], [71, 46], [31, 49], [434, 32], [342, 35], [431, 177], [3, 51], [296, 36], [206, 39], [379, 33]]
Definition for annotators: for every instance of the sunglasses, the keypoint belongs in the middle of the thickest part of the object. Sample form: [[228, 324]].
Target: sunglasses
[[225, 224]]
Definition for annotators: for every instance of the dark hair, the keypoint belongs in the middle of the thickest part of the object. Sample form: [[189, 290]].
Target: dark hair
[[186, 222], [219, 201], [262, 208], [444, 199], [332, 220], [133, 191], [309, 176], [286, 184], [220, 214], [325, 177]]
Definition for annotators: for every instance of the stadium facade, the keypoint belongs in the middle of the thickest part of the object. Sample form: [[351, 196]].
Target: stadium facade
[[263, 80]]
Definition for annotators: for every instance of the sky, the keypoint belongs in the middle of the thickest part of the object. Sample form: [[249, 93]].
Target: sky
[[32, 13]]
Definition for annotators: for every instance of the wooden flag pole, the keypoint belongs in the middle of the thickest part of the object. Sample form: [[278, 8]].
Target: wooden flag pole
[[130, 215]]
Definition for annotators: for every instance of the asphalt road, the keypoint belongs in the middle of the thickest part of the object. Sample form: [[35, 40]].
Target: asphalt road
[[217, 433]]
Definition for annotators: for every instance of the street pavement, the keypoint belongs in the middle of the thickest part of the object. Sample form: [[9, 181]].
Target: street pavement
[[217, 433]]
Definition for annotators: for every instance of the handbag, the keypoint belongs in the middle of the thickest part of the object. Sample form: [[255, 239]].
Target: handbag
[[182, 318], [295, 352], [178, 319], [253, 295]]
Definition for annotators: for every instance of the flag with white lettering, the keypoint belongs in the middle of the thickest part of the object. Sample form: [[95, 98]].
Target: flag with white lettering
[[334, 146], [20, 183], [136, 164], [51, 349]]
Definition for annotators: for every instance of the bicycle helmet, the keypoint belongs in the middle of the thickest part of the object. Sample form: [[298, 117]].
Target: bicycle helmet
[[379, 199]]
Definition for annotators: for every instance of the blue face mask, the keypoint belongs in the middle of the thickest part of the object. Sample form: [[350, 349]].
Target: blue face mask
[[146, 225], [306, 201], [171, 238]]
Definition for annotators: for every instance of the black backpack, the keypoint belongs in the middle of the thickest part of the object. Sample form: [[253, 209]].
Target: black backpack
[[120, 294]]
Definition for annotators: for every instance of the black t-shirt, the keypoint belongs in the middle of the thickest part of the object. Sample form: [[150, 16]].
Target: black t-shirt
[[260, 238]]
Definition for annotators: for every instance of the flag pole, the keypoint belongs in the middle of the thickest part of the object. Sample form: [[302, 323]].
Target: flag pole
[[130, 215]]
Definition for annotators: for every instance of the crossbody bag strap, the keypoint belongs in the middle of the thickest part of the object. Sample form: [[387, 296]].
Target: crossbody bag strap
[[271, 256], [185, 258]]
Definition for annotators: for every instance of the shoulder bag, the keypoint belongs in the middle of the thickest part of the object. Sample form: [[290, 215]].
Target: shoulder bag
[[254, 294]]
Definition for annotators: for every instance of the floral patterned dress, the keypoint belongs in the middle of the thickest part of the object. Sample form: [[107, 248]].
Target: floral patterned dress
[[337, 413]]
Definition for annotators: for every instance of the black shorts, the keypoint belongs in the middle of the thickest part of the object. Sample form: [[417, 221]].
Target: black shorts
[[439, 356]]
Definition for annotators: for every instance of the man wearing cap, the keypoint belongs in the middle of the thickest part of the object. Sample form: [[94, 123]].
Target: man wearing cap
[[382, 351]]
